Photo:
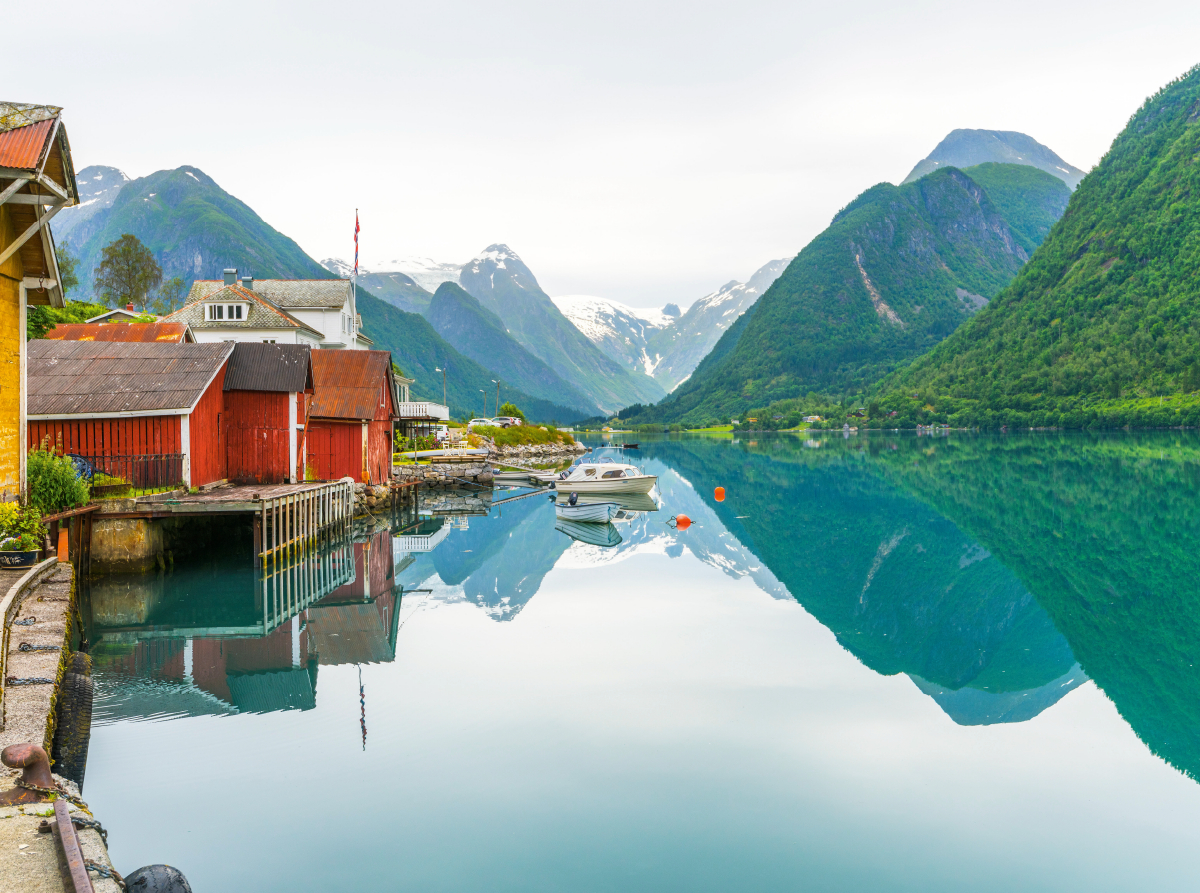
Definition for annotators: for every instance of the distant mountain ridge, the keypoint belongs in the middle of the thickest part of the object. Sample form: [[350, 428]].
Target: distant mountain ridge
[[504, 285], [194, 227], [967, 148], [480, 335]]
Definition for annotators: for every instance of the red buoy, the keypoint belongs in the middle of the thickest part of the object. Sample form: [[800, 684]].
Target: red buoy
[[682, 522], [719, 494]]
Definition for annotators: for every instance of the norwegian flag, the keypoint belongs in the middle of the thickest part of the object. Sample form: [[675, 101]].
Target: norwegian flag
[[356, 228]]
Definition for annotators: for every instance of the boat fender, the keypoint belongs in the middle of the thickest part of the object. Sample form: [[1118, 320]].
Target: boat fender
[[573, 499], [719, 494], [681, 522], [157, 879]]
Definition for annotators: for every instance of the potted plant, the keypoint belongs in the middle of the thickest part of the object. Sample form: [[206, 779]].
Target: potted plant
[[21, 535], [19, 551]]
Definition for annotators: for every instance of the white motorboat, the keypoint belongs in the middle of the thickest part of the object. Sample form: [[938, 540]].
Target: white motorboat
[[592, 512], [604, 476]]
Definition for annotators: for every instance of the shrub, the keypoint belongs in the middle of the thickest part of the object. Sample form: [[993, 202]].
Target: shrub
[[524, 435], [53, 484], [20, 528]]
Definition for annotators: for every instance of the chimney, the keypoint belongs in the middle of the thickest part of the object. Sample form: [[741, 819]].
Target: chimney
[[231, 276], [129, 307], [248, 282]]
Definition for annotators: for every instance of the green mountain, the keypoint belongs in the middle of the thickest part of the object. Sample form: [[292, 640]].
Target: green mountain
[[1105, 318], [966, 148], [194, 227], [898, 269], [419, 351], [506, 287], [478, 334]]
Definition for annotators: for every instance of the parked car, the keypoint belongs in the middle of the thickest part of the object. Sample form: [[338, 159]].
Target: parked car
[[441, 433], [480, 423], [505, 421]]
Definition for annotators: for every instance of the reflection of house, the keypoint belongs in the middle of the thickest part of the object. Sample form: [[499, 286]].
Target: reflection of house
[[37, 180], [352, 620], [424, 536], [350, 420], [149, 332]]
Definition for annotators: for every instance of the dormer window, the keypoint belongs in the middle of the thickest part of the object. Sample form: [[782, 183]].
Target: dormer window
[[215, 312]]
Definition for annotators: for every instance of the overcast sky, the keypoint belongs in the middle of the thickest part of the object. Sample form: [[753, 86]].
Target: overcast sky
[[646, 152]]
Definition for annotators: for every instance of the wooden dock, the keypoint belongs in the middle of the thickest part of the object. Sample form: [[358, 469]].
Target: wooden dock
[[286, 516]]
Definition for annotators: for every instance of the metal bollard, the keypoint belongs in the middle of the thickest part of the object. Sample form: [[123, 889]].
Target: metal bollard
[[36, 783]]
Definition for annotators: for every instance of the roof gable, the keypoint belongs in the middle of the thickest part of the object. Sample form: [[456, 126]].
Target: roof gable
[[101, 378], [263, 314]]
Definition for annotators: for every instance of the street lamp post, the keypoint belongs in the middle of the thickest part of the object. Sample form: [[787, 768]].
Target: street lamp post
[[482, 391], [497, 384], [443, 371]]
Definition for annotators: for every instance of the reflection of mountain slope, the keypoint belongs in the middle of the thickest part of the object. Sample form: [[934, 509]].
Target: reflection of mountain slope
[[974, 707], [498, 561], [1105, 530], [903, 589]]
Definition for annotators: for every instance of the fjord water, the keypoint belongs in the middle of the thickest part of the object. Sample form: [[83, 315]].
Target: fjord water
[[884, 662]]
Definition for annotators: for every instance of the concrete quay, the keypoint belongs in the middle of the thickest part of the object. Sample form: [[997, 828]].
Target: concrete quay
[[39, 609]]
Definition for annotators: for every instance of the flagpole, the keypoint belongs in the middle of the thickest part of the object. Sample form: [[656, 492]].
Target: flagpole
[[354, 288]]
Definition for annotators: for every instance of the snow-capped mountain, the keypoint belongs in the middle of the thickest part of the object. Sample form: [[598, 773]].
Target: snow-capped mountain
[[424, 271], [621, 332], [98, 188], [665, 344], [680, 348]]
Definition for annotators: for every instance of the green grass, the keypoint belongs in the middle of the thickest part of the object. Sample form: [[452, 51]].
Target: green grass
[[524, 435]]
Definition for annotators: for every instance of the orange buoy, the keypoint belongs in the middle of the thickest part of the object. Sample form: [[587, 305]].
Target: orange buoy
[[719, 494], [682, 522]]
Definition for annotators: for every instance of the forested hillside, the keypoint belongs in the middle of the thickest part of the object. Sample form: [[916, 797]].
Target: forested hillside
[[899, 269], [479, 334], [419, 351], [1103, 324]]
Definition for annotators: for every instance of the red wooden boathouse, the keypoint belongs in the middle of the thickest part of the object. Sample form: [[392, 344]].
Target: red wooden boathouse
[[267, 391], [351, 416], [149, 413]]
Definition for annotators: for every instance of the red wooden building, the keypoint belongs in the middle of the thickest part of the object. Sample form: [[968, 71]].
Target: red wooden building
[[351, 416], [145, 412], [267, 391]]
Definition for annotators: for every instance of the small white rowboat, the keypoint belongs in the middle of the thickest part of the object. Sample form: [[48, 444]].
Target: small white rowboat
[[592, 512]]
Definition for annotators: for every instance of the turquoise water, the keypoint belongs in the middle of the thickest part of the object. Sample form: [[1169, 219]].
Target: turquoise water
[[887, 662]]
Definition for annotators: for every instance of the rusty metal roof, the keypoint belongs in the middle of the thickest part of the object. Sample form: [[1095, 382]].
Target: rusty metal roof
[[290, 294], [97, 377], [261, 315], [22, 147], [284, 368], [146, 332], [348, 382]]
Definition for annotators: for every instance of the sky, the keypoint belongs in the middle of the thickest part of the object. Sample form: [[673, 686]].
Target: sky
[[645, 152]]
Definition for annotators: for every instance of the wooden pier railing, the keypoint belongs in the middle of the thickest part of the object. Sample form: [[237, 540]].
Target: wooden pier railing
[[293, 521]]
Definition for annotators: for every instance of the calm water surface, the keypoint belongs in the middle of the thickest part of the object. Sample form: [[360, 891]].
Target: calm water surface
[[895, 663]]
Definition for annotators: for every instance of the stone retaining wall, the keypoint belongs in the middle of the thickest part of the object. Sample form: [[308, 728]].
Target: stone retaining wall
[[445, 474]]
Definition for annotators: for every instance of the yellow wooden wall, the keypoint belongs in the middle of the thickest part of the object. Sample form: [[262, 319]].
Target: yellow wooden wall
[[12, 343]]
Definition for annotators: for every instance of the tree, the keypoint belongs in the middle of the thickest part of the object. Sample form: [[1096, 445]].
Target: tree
[[127, 273], [68, 265], [169, 297], [510, 409]]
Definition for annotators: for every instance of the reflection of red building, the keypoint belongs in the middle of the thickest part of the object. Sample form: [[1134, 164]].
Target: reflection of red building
[[355, 623]]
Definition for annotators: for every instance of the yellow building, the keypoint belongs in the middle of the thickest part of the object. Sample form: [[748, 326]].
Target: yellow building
[[37, 180]]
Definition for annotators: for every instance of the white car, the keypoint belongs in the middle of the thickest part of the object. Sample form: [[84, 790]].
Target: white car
[[505, 421], [480, 423]]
